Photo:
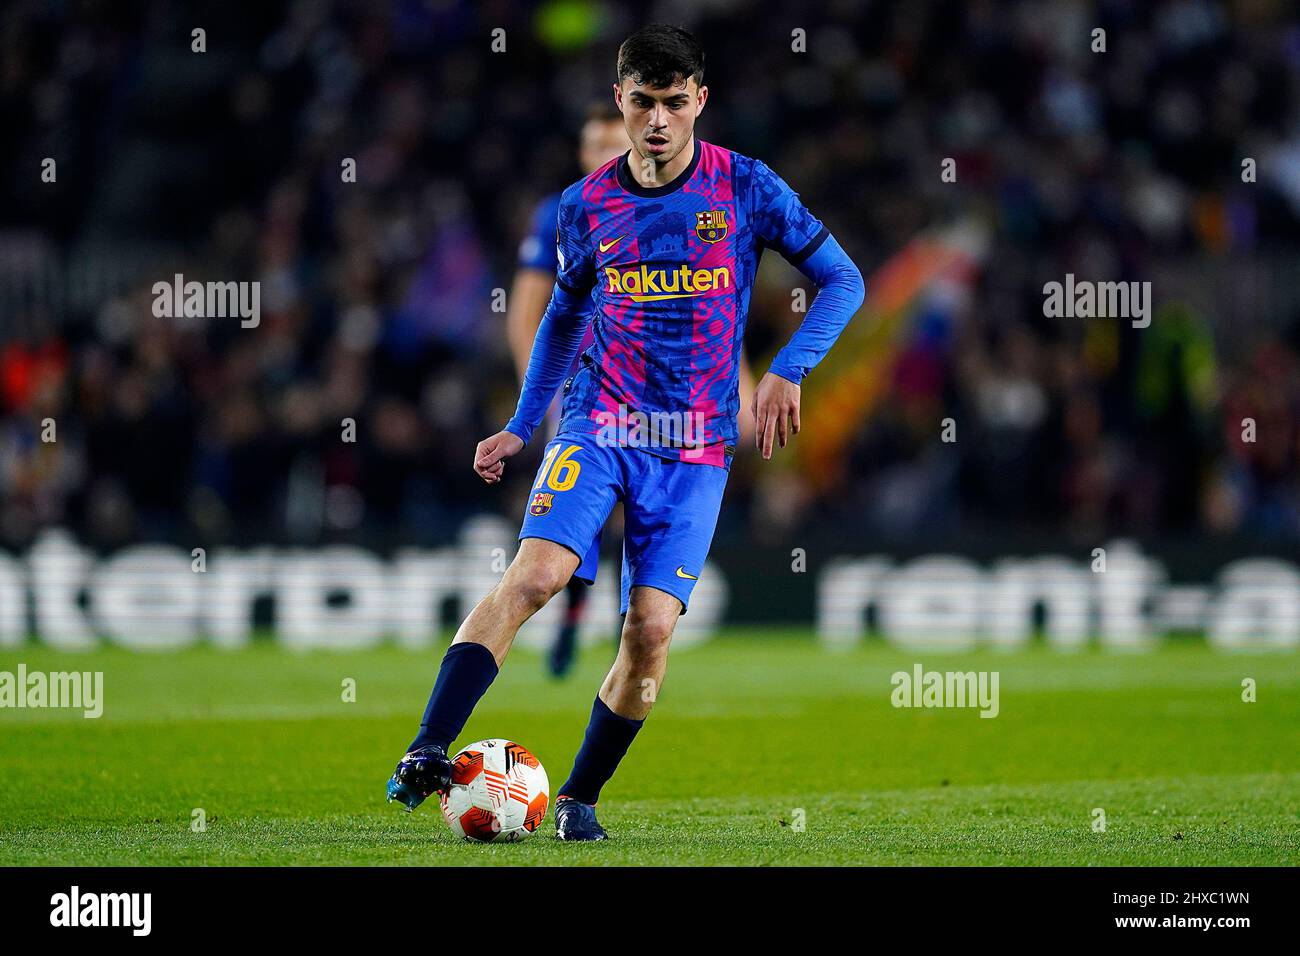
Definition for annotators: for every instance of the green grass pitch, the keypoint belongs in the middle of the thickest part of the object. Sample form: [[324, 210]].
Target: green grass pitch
[[749, 730]]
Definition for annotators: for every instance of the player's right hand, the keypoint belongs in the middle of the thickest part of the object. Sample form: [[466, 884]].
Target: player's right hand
[[491, 454]]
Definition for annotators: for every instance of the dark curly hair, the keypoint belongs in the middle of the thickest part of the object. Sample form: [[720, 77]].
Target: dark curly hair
[[660, 56]]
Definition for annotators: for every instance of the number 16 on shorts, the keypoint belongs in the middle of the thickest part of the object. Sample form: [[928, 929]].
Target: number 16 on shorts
[[558, 473]]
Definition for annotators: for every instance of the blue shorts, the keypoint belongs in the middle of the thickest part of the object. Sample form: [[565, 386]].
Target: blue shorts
[[670, 511]]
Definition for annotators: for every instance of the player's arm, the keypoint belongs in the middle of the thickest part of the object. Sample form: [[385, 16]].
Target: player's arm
[[554, 348], [529, 293], [559, 335], [786, 225], [531, 288]]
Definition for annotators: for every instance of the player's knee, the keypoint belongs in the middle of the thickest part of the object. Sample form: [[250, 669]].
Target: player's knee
[[530, 596], [528, 589], [647, 633]]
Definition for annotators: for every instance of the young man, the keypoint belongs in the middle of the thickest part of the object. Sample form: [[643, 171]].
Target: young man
[[603, 138], [669, 236]]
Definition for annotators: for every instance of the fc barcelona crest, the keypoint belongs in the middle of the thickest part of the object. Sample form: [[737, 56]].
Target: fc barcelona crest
[[541, 503], [711, 225]]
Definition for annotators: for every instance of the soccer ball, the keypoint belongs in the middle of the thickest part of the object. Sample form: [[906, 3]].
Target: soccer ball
[[498, 791]]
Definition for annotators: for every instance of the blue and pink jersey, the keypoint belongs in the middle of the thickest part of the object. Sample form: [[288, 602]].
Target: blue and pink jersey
[[671, 269]]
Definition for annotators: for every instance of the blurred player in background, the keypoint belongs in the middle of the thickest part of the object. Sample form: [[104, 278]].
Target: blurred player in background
[[602, 139]]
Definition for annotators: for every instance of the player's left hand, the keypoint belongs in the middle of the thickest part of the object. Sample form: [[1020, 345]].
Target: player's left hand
[[776, 412]]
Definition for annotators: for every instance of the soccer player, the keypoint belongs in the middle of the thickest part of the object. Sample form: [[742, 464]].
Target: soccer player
[[669, 237], [603, 138]]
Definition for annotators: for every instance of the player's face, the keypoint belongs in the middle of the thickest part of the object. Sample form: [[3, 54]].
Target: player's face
[[660, 122], [601, 141]]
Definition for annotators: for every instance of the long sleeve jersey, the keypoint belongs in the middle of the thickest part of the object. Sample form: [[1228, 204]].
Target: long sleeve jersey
[[671, 269]]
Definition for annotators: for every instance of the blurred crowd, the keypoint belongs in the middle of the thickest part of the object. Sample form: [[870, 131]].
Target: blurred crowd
[[379, 302]]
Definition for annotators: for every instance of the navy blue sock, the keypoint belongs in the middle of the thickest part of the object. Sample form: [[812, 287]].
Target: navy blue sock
[[467, 671], [608, 737]]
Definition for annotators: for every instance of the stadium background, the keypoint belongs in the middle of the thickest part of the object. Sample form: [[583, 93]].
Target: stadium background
[[377, 296], [377, 306]]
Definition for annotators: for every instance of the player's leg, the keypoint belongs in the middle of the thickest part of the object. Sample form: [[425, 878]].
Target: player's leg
[[538, 572], [576, 487], [670, 516], [632, 684], [620, 709], [565, 646]]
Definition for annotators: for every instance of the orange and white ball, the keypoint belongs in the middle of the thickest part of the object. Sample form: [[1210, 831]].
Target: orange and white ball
[[499, 791]]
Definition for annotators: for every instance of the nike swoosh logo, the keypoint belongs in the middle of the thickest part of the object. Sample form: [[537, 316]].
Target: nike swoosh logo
[[681, 573], [606, 246]]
